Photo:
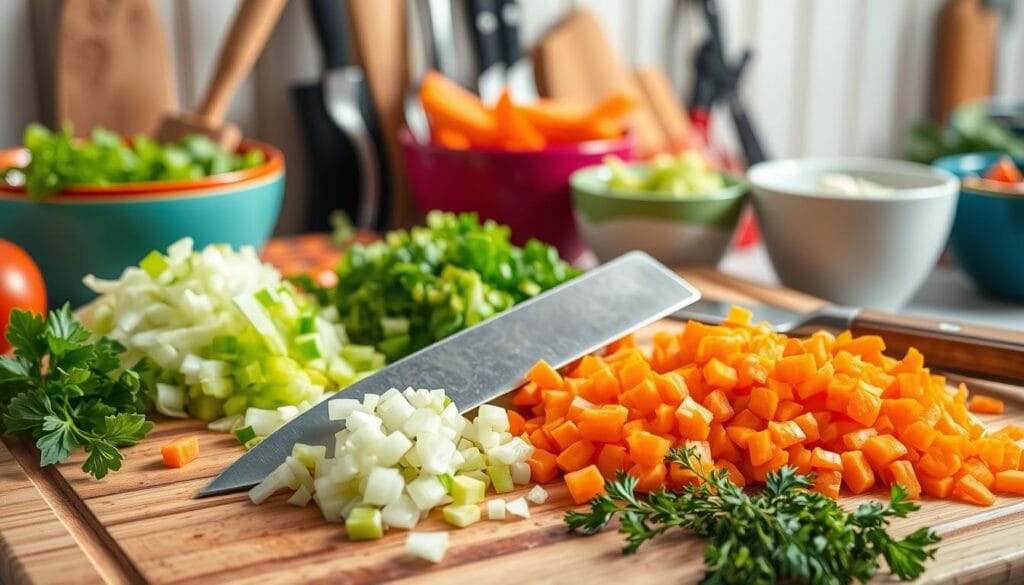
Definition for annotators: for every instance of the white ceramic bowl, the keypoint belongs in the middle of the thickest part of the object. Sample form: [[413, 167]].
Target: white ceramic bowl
[[854, 250]]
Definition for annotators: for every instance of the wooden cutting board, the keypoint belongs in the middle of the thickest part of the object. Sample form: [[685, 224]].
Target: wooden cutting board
[[114, 67], [142, 523]]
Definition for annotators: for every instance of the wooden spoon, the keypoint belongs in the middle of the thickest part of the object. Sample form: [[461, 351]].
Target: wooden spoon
[[249, 32]]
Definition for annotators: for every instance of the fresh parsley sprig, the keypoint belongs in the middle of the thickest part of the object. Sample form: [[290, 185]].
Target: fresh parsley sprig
[[784, 532], [65, 392]]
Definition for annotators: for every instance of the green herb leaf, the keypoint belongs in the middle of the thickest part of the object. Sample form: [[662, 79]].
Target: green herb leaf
[[783, 533], [83, 398]]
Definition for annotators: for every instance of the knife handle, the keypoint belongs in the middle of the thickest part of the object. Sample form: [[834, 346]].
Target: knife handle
[[486, 30], [510, 14], [976, 349], [331, 25]]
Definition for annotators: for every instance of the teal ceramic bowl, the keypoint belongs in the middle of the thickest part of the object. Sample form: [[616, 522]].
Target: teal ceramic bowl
[[988, 232], [102, 230], [691, 231]]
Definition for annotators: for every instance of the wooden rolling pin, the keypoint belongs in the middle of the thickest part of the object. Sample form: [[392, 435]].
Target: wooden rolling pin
[[249, 32]]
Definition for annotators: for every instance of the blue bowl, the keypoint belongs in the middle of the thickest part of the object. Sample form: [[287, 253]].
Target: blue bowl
[[988, 232], [101, 230]]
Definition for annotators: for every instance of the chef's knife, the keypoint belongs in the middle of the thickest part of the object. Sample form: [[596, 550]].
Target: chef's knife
[[967, 348], [487, 40], [347, 99], [518, 68], [490, 359]]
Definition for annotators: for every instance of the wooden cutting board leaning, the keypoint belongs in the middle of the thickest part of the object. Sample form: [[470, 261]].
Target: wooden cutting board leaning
[[142, 524]]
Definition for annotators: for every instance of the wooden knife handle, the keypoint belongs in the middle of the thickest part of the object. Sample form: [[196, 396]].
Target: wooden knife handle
[[254, 21], [975, 349]]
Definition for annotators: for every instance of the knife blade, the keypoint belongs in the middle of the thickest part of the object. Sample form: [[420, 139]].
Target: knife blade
[[977, 350], [490, 359]]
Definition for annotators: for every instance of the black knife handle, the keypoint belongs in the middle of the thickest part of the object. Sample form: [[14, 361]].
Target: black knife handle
[[486, 30], [331, 24], [510, 15]]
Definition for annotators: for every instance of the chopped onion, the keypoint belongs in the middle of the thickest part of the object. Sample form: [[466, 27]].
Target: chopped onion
[[537, 495], [496, 509], [518, 507], [429, 546]]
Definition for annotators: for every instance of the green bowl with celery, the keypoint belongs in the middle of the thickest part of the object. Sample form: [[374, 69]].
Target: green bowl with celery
[[96, 205], [677, 209]]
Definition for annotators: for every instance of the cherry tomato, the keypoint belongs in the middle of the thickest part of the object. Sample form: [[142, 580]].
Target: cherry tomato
[[21, 286], [1005, 171]]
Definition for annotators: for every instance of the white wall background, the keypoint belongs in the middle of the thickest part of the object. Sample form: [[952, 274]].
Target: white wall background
[[829, 77]]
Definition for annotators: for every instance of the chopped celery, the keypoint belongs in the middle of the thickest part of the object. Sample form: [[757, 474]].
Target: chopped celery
[[461, 515], [447, 481], [267, 297], [501, 478], [467, 490], [154, 264], [207, 408], [308, 347], [245, 434], [251, 443], [307, 324], [364, 523]]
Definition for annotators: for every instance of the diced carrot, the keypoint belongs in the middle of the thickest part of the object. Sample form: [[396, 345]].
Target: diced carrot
[[528, 395], [718, 404], [823, 459], [778, 460], [543, 375], [720, 375], [694, 420], [542, 465], [603, 424], [739, 435], [986, 405], [644, 397], [827, 482], [649, 477], [612, 458], [732, 472], [979, 471], [722, 446], [939, 465], [864, 405], [647, 449], [918, 435], [671, 387], [634, 426], [883, 450], [809, 425], [763, 402], [795, 369], [857, 472], [902, 472], [746, 418], [854, 440], [760, 447], [584, 484], [564, 434], [936, 488], [902, 411], [788, 410], [800, 458], [516, 422], [786, 434], [1010, 481], [576, 456], [663, 422], [180, 452], [969, 489], [540, 440]]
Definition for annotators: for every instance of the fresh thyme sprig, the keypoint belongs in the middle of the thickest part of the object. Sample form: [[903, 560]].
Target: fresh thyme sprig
[[783, 532]]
